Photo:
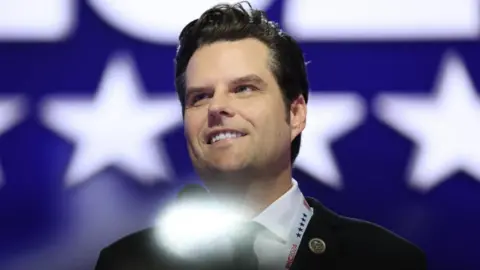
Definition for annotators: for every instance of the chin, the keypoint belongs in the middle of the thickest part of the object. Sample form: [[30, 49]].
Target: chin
[[228, 167]]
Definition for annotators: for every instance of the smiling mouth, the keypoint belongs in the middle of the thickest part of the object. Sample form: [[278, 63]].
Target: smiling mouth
[[224, 136]]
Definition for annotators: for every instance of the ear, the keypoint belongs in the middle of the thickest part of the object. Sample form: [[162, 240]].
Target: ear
[[298, 116]]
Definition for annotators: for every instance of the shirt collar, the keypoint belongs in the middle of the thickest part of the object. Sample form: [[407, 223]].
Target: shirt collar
[[278, 216]]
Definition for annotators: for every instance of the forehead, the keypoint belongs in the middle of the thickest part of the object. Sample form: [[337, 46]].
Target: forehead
[[226, 60]]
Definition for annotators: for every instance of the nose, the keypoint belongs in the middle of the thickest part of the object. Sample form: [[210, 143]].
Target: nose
[[219, 109]]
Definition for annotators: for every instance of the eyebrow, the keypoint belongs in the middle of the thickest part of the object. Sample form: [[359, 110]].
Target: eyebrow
[[251, 78]]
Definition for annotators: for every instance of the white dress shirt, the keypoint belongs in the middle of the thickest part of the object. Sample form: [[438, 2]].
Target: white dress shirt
[[272, 245]]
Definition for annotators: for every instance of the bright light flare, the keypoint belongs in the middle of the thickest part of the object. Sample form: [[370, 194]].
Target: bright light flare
[[190, 229]]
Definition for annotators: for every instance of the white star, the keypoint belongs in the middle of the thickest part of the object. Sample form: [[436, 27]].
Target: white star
[[12, 111], [446, 127], [119, 127], [329, 117]]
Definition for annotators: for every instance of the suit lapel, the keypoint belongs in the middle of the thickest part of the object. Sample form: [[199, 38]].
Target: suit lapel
[[319, 247]]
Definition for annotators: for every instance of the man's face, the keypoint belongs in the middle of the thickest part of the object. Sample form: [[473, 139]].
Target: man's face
[[235, 116]]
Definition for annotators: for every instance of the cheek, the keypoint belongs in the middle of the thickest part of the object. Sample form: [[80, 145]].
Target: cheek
[[193, 127], [280, 128], [271, 125]]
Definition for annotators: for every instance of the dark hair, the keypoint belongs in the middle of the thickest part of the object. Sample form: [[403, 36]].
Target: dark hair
[[226, 22]]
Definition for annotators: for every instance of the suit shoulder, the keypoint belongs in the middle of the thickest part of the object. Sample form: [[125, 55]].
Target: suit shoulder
[[127, 251], [365, 233], [361, 235], [137, 241]]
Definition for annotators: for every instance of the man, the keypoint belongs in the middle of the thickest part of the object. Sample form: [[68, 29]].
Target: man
[[243, 88]]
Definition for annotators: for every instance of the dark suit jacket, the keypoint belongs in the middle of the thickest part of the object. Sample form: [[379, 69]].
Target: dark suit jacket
[[349, 244]]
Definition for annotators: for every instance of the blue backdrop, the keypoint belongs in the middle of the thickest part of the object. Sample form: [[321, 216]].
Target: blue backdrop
[[392, 136]]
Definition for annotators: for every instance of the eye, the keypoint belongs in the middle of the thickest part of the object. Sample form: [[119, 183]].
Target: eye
[[244, 88], [198, 97]]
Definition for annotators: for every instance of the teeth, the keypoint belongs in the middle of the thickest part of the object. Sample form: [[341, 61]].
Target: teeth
[[225, 135]]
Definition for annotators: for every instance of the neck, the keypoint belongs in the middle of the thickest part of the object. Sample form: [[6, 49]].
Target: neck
[[250, 195]]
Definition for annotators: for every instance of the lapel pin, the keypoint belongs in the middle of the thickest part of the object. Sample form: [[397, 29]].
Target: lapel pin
[[317, 245]]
